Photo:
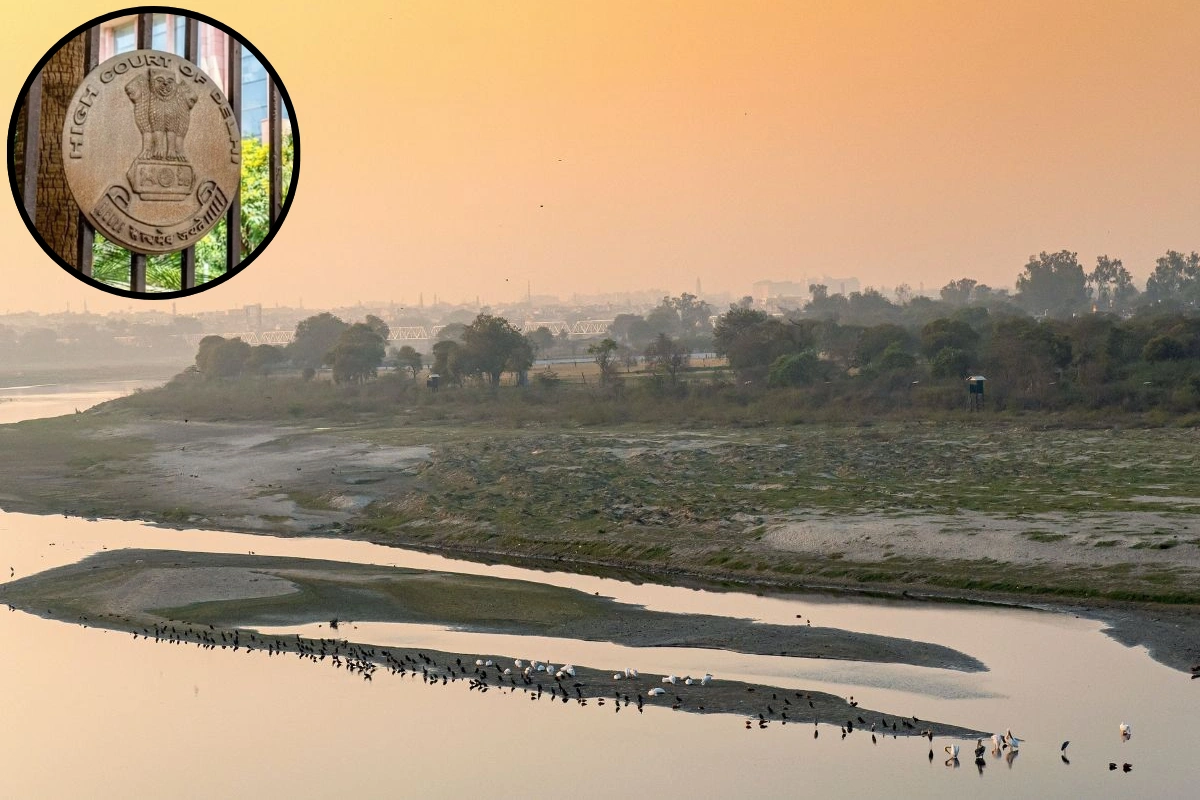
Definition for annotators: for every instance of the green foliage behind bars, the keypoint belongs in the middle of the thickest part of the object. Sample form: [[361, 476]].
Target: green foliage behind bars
[[110, 262]]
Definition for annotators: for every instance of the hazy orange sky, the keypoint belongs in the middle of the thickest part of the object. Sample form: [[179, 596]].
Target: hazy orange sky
[[466, 148]]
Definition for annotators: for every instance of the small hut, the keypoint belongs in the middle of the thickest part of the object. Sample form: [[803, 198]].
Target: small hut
[[975, 392]]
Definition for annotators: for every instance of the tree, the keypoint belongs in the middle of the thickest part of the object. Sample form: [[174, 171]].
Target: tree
[[950, 362], [874, 342], [263, 358], [314, 338], [1111, 283], [541, 340], [357, 355], [1053, 284], [448, 361], [494, 347], [1176, 280], [1164, 348], [379, 326], [663, 319], [693, 313], [959, 292], [218, 357], [604, 353], [407, 358], [665, 355], [943, 333], [796, 369]]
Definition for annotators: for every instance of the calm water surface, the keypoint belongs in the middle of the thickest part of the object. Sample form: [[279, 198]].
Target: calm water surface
[[89, 713]]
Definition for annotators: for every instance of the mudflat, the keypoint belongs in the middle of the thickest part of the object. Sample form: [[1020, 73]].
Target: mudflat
[[1099, 522], [200, 597]]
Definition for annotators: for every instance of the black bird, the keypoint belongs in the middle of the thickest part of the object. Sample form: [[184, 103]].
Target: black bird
[[1126, 767], [1064, 746], [1111, 766]]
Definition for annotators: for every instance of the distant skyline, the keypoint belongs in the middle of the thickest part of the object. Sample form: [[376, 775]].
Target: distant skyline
[[469, 149]]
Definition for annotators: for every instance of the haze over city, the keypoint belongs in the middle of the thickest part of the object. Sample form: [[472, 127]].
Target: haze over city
[[486, 151]]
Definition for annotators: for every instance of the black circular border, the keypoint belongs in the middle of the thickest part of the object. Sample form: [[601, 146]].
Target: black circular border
[[283, 211]]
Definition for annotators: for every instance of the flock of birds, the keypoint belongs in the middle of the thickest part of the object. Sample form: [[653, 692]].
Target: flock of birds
[[1012, 744], [535, 676]]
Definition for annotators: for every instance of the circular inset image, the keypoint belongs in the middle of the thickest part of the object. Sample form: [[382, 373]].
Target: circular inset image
[[140, 140]]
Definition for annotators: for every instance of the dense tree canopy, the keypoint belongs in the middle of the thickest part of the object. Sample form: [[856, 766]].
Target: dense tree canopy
[[314, 338], [357, 355]]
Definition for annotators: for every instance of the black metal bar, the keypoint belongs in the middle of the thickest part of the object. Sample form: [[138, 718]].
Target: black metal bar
[[191, 51], [137, 272], [145, 31], [233, 222], [86, 235], [191, 40], [275, 151], [137, 261], [32, 155]]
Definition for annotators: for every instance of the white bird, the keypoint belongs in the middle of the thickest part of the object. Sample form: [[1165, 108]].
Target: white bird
[[488, 663], [518, 663], [559, 675], [1013, 741], [997, 740], [687, 681], [952, 750], [706, 680], [507, 671], [618, 676], [657, 691], [541, 668], [479, 662], [1126, 730], [670, 679], [570, 670], [536, 665], [527, 671], [631, 673]]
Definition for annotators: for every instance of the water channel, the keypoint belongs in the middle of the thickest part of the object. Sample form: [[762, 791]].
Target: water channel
[[94, 713]]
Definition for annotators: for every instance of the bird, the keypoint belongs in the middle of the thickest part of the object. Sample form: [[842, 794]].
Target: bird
[[618, 676], [1064, 746], [1013, 741], [979, 748], [952, 751], [1126, 767], [706, 680], [1126, 730], [657, 691], [997, 740]]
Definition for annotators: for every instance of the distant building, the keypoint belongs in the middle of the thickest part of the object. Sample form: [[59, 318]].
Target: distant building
[[795, 293]]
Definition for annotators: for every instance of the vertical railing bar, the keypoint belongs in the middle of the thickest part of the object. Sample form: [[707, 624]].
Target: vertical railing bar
[[233, 222], [32, 145], [86, 235], [137, 261], [275, 151], [191, 52]]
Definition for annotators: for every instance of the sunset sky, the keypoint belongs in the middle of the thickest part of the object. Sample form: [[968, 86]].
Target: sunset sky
[[465, 148]]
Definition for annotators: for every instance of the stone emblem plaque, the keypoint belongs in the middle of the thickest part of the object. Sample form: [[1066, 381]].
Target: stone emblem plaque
[[151, 151]]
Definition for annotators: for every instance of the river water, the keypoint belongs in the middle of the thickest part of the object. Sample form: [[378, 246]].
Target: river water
[[90, 713]]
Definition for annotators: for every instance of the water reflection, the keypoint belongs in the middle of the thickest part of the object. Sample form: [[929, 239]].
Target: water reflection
[[1052, 677], [37, 401]]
